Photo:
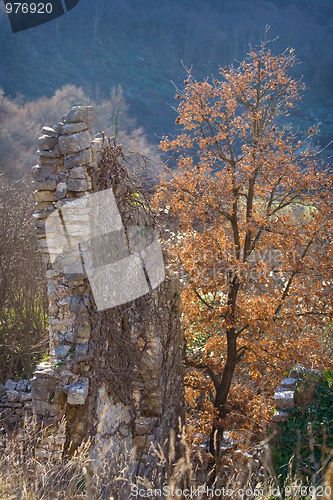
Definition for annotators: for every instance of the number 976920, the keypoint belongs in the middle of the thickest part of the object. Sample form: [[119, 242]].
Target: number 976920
[[28, 8]]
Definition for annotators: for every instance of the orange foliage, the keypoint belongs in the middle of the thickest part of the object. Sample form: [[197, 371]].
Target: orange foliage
[[253, 245]]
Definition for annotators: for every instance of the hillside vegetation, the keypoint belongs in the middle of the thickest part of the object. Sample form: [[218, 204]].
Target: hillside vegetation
[[142, 45]]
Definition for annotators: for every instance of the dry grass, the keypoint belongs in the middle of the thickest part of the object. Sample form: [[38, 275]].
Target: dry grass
[[24, 477]]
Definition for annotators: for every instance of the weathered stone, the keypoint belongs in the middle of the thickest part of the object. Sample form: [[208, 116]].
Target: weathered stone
[[58, 394], [69, 258], [16, 404], [12, 396], [40, 233], [42, 172], [49, 131], [44, 370], [54, 153], [78, 229], [299, 371], [40, 224], [81, 114], [44, 207], [43, 408], [284, 399], [60, 191], [97, 145], [10, 385], [77, 173], [141, 442], [70, 337], [52, 282], [72, 128], [81, 350], [80, 205], [25, 397], [55, 162], [62, 351], [74, 143], [77, 185], [43, 214], [75, 304], [142, 429], [83, 333], [46, 185], [2, 391], [82, 158], [59, 324], [74, 271], [289, 383], [44, 196], [53, 309], [21, 385], [45, 143], [78, 392], [52, 274], [58, 127], [79, 427], [42, 388]]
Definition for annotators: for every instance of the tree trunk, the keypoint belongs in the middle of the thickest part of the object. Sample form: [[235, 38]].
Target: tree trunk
[[222, 395], [228, 372]]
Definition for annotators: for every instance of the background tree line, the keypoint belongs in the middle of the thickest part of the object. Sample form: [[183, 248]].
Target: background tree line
[[142, 45]]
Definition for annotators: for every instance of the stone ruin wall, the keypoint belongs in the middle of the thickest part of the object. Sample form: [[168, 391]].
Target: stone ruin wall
[[113, 376], [15, 402]]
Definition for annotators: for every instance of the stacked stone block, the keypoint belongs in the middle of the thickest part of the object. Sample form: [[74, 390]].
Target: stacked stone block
[[284, 396], [61, 176]]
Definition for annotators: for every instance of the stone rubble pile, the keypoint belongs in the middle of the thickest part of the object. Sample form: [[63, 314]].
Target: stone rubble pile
[[284, 396], [15, 402]]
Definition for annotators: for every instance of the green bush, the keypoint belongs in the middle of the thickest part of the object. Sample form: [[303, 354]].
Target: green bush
[[306, 439]]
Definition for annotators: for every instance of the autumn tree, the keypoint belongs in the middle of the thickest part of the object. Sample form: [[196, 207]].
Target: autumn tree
[[253, 243]]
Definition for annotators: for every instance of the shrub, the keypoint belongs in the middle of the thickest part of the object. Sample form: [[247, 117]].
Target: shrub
[[23, 317], [306, 439]]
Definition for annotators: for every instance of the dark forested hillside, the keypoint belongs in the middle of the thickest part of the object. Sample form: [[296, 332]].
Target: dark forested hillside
[[142, 44]]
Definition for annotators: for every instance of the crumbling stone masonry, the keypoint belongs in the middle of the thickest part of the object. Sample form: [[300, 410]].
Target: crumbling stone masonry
[[285, 394], [15, 402], [115, 374]]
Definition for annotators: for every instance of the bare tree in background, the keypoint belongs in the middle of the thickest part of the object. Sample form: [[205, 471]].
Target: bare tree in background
[[23, 317]]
